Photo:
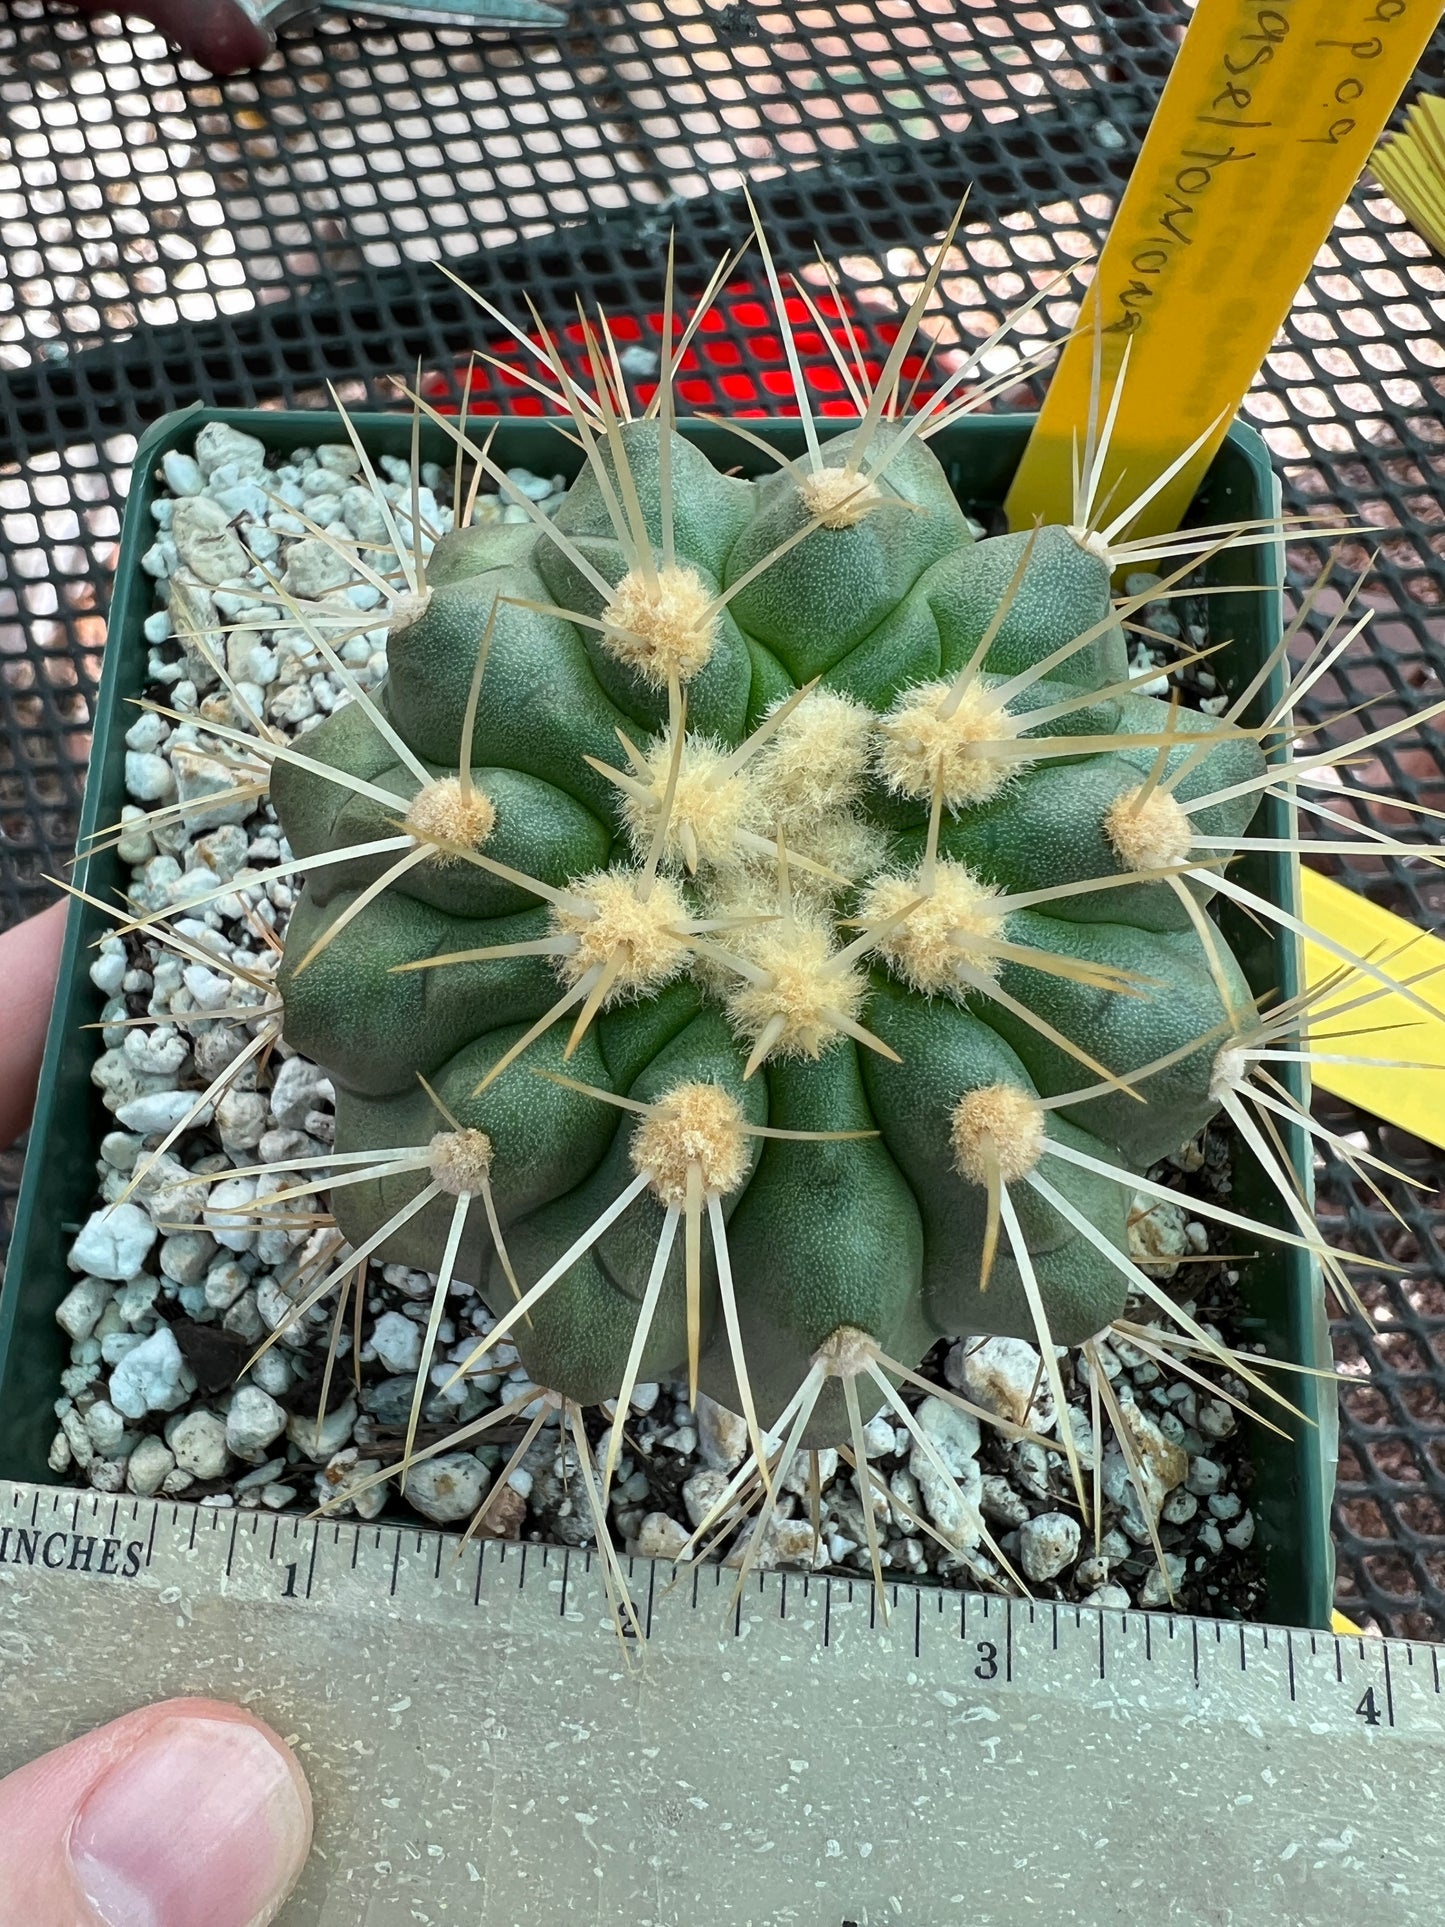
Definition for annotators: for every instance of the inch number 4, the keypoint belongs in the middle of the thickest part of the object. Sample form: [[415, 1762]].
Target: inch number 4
[[1368, 1709]]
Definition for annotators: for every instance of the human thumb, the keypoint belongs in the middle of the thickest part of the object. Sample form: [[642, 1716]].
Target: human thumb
[[185, 1814]]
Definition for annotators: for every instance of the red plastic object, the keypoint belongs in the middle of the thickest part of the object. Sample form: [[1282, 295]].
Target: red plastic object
[[734, 363], [220, 34]]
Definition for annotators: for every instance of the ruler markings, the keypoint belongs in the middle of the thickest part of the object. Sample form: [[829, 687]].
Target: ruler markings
[[1311, 1672], [677, 1833]]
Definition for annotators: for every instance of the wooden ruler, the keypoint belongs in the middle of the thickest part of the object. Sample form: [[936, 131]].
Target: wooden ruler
[[485, 1752], [1269, 114]]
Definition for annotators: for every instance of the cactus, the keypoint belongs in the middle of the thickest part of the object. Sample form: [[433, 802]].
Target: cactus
[[878, 939], [759, 929]]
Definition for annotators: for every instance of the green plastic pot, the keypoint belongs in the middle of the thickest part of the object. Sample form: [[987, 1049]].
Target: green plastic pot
[[1283, 1295]]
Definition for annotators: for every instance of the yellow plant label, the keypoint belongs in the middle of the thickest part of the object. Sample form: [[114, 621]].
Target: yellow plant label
[[1268, 116], [1407, 1089]]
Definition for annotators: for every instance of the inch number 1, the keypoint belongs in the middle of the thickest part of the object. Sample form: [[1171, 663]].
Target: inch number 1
[[288, 1591]]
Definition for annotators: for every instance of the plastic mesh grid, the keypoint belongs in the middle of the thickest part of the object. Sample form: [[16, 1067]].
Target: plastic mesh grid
[[165, 238]]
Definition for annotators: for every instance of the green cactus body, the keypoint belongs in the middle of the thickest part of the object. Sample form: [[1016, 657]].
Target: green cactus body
[[980, 987]]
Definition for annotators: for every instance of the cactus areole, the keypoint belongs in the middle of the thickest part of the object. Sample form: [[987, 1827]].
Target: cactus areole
[[791, 930]]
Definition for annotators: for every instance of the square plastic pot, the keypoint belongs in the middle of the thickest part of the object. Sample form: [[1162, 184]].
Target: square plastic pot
[[1283, 1297]]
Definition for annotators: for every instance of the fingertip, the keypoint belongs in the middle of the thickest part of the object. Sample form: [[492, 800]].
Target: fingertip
[[204, 1821], [190, 1813]]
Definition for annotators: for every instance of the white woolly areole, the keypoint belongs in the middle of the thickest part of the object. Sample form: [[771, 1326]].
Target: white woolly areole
[[941, 933], [664, 627], [1003, 1118], [461, 1161], [839, 497], [844, 843], [708, 809], [1155, 835], [1092, 543], [847, 1352], [918, 741], [642, 932], [407, 609], [442, 811], [818, 759], [1229, 1073], [800, 990], [699, 1124]]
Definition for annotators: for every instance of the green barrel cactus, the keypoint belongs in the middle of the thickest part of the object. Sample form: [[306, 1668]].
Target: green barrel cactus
[[777, 912]]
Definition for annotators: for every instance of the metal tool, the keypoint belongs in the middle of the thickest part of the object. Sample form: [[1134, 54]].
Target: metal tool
[[228, 36], [482, 1748]]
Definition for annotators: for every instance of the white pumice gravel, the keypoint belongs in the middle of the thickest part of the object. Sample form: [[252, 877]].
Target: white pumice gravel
[[172, 1296]]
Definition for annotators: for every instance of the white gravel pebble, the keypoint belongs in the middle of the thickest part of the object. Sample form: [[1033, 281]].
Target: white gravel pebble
[[722, 1436], [160, 1111], [79, 1310], [1003, 1376], [448, 1488], [149, 778], [660, 1537], [1113, 1597], [1047, 1544], [253, 1421], [148, 1467], [199, 1443], [224, 1215], [396, 1340], [113, 1243], [106, 1427], [333, 1434], [300, 1089], [151, 1377], [219, 445], [1241, 1536]]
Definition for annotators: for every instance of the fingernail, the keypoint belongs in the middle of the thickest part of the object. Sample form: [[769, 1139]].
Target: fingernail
[[201, 1825]]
